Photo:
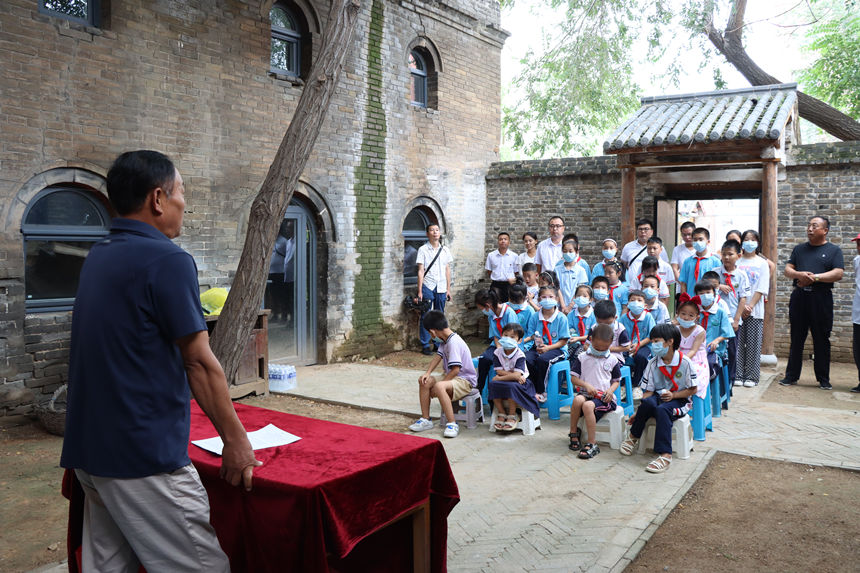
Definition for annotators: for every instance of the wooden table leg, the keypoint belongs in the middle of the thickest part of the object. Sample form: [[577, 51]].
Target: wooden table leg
[[421, 538]]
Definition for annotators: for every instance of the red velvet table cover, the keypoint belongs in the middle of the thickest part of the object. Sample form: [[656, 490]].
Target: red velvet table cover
[[314, 500]]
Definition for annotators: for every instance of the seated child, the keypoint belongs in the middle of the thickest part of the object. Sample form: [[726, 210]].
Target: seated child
[[650, 267], [459, 377], [604, 313], [530, 277], [570, 275], [610, 249], [546, 278], [617, 289], [693, 344], [600, 288], [669, 382], [638, 325], [498, 315], [597, 373], [511, 388], [715, 321], [653, 305], [523, 310], [550, 334], [580, 320]]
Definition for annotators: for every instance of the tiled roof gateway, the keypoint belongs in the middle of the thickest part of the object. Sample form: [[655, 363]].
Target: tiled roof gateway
[[757, 113]]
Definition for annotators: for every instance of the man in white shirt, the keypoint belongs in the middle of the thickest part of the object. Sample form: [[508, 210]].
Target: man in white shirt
[[549, 250], [434, 278], [502, 267], [635, 250], [685, 250]]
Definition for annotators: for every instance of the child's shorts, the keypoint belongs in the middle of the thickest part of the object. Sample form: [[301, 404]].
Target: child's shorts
[[460, 388], [600, 407]]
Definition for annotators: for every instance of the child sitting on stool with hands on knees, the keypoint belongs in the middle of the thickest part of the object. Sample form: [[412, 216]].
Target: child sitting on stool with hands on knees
[[669, 383], [510, 387]]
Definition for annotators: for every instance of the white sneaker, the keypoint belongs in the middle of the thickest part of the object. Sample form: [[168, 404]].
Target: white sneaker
[[637, 393], [749, 384], [452, 430], [739, 383], [421, 425]]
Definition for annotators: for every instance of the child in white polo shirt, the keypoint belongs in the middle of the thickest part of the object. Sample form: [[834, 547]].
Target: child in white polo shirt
[[502, 266]]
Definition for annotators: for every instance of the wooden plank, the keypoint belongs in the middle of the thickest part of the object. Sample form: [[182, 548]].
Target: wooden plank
[[421, 538], [711, 175], [769, 224], [628, 205]]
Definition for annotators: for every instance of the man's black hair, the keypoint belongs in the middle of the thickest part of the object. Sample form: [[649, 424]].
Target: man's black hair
[[667, 331], [823, 218], [435, 320], [134, 174], [427, 228], [688, 225], [505, 233], [559, 217], [648, 222], [605, 309]]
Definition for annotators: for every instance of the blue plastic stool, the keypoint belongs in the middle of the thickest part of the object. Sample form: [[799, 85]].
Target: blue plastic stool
[[555, 401], [700, 416], [485, 391], [725, 386], [627, 381]]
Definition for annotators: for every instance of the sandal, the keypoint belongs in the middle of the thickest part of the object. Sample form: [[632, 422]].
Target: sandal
[[499, 425], [511, 423], [628, 446], [589, 451], [658, 465], [574, 441]]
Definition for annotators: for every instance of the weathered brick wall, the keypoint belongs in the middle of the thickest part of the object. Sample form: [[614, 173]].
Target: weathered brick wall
[[821, 178], [193, 82]]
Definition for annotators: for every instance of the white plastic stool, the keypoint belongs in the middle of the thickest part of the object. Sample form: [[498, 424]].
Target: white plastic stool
[[682, 437], [610, 428], [528, 424], [474, 411]]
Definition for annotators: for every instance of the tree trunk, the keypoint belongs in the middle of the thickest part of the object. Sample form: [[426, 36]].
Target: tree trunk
[[269, 206], [730, 44]]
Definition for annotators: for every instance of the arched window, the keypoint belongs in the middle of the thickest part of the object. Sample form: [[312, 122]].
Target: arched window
[[414, 235], [60, 225], [287, 32], [418, 87]]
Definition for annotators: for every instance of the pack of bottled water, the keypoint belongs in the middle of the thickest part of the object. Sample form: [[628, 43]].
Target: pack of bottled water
[[282, 377]]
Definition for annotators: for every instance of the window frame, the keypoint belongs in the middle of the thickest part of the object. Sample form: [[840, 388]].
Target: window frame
[[414, 235], [58, 233], [93, 13], [418, 75], [292, 37]]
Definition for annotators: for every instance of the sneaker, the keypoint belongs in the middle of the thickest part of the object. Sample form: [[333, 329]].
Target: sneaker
[[825, 385], [739, 383], [427, 351], [787, 382], [421, 425], [856, 389], [452, 430], [637, 393], [750, 384]]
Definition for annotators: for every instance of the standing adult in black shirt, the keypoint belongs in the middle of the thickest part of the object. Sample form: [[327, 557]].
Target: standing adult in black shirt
[[813, 267]]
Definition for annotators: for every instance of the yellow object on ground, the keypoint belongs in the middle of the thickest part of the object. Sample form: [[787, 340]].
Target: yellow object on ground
[[213, 300]]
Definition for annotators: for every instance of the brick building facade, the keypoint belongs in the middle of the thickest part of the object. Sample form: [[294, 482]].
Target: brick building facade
[[196, 81], [814, 179]]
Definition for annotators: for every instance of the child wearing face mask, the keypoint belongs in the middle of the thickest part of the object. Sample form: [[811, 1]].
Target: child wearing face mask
[[669, 383], [604, 313], [499, 314], [617, 289], [653, 305], [596, 373], [693, 343], [751, 331], [521, 308], [546, 278], [570, 275], [713, 278], [599, 288], [610, 249], [638, 325], [580, 319], [550, 333], [511, 387], [697, 265], [716, 322]]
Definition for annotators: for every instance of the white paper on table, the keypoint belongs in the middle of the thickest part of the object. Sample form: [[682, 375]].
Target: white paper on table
[[267, 437]]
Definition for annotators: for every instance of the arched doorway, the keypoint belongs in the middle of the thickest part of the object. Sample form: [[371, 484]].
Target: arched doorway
[[290, 289]]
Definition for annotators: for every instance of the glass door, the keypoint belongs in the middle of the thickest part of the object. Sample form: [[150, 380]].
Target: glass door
[[290, 290]]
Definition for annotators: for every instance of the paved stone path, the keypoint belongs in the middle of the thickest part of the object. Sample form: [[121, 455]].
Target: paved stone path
[[528, 504]]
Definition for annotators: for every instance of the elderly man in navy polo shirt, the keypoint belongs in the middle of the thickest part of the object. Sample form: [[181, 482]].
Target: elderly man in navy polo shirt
[[139, 348]]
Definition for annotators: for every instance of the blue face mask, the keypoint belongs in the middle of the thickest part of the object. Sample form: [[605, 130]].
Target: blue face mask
[[650, 293], [569, 257], [437, 341], [582, 301], [707, 299], [488, 313], [597, 353], [548, 303], [686, 323], [516, 306], [750, 246], [507, 343], [601, 294], [636, 307], [658, 350], [609, 253], [700, 246]]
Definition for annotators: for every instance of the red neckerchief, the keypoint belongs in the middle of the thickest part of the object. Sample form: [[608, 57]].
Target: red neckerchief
[[729, 282], [518, 310], [581, 327], [635, 327], [699, 260], [612, 289], [546, 331], [705, 318], [499, 318], [671, 376]]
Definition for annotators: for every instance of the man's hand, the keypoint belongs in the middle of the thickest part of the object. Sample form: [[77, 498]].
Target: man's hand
[[805, 278], [238, 463]]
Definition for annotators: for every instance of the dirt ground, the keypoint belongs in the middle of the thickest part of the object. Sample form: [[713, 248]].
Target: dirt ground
[[843, 377], [747, 514]]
